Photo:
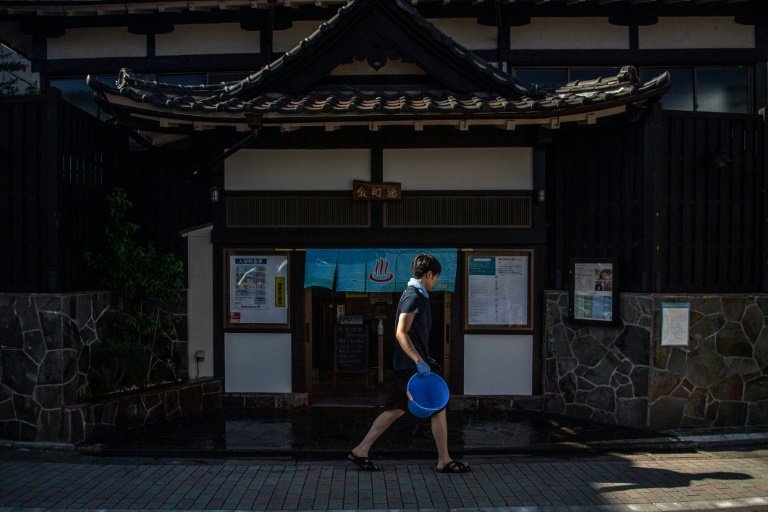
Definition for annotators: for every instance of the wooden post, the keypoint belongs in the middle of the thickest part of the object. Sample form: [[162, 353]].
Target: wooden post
[[380, 332], [447, 336], [308, 342], [656, 210], [50, 193]]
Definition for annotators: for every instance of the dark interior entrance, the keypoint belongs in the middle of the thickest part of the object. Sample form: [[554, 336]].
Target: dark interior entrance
[[347, 349]]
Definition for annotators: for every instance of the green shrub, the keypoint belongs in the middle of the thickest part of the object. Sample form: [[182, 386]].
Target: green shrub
[[148, 285]]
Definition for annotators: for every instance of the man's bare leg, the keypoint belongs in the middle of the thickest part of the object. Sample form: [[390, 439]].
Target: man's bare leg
[[380, 425], [440, 433]]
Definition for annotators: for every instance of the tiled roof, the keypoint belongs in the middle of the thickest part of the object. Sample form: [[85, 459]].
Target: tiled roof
[[199, 101], [291, 87]]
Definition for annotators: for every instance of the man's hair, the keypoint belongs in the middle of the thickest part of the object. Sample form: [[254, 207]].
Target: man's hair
[[424, 263]]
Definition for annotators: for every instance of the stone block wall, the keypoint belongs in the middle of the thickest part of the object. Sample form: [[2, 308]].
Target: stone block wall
[[598, 373], [46, 346], [622, 375], [90, 420], [721, 377]]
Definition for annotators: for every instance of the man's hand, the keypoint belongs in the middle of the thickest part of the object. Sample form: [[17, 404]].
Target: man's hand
[[422, 369]]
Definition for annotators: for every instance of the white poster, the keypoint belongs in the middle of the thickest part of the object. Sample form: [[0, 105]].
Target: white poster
[[593, 291], [675, 317], [258, 289], [498, 290]]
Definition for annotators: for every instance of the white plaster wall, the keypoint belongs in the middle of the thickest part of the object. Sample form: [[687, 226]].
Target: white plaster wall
[[467, 32], [460, 168], [200, 39], [257, 363], [256, 169], [87, 43], [569, 33], [284, 40], [200, 300], [393, 67], [696, 32], [498, 364]]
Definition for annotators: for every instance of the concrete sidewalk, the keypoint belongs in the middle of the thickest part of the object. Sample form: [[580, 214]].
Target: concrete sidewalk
[[716, 480]]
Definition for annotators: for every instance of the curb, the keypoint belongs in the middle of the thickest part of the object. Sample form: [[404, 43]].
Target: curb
[[38, 445]]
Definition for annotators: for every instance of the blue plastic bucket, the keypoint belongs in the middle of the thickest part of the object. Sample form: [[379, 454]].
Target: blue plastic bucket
[[427, 395]]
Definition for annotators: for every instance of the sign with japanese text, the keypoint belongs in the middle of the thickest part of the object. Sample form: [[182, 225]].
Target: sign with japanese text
[[366, 191], [593, 291], [498, 290], [675, 320], [258, 292]]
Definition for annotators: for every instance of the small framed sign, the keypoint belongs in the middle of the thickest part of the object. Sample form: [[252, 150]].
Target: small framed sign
[[256, 289], [367, 191], [675, 320], [594, 297], [351, 342]]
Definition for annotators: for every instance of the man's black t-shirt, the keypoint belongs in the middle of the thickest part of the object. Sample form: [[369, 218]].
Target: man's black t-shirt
[[413, 302]]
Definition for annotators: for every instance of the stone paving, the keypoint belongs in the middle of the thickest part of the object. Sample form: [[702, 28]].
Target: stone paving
[[579, 481]]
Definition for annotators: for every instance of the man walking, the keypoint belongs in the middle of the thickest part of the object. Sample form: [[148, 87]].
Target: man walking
[[411, 356]]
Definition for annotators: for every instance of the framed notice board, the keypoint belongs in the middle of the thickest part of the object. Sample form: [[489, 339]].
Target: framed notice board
[[593, 293], [351, 345], [256, 293], [499, 290]]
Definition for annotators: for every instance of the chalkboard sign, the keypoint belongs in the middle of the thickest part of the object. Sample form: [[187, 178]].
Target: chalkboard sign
[[351, 345]]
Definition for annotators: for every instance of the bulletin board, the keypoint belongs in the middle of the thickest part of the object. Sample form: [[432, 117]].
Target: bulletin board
[[256, 291], [498, 290]]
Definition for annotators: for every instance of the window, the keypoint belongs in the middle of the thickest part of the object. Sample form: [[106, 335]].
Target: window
[[77, 92], [217, 78], [722, 90], [725, 90], [542, 77], [680, 96], [549, 77], [591, 73], [190, 79]]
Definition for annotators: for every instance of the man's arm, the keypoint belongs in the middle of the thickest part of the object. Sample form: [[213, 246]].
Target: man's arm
[[404, 322]]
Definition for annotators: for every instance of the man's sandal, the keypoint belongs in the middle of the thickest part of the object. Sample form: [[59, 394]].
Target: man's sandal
[[454, 467], [364, 463]]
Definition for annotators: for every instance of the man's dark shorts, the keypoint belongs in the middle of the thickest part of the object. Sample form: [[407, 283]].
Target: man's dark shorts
[[395, 389], [395, 396]]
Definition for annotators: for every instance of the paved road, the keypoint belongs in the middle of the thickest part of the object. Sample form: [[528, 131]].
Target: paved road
[[578, 481]]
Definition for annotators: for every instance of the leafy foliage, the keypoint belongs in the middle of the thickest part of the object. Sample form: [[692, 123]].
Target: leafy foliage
[[148, 285]]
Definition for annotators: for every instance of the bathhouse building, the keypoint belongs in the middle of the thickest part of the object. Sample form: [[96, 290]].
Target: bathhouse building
[[591, 176]]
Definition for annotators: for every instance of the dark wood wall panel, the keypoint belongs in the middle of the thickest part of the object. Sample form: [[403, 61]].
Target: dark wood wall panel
[[595, 199], [687, 215], [88, 164], [52, 208], [23, 184], [170, 191], [713, 203]]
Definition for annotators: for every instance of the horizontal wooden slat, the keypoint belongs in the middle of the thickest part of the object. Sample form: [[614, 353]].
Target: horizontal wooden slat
[[458, 212], [296, 211]]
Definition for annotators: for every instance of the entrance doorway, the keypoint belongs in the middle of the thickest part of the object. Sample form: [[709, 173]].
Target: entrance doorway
[[352, 337]]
